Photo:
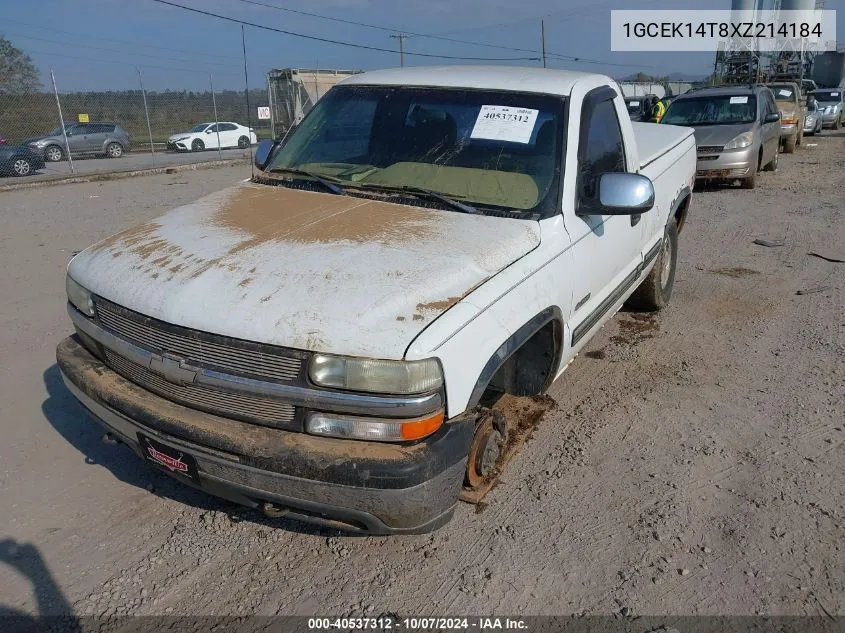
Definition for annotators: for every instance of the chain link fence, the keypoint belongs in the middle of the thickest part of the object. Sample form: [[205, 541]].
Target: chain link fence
[[109, 130]]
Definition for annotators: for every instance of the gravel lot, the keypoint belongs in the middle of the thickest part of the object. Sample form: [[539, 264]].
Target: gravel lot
[[128, 162], [693, 464]]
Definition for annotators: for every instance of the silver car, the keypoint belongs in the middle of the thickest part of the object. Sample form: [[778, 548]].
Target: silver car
[[737, 131], [106, 139], [813, 122], [832, 103]]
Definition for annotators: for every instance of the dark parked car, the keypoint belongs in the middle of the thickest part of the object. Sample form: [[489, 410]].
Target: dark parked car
[[19, 160], [107, 139]]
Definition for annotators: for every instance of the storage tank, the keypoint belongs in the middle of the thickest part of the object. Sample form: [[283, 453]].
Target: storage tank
[[829, 70], [797, 5]]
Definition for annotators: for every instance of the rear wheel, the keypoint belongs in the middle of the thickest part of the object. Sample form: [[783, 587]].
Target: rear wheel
[[800, 137], [114, 150], [197, 145], [243, 142], [655, 291], [53, 153], [789, 145], [837, 123], [21, 167]]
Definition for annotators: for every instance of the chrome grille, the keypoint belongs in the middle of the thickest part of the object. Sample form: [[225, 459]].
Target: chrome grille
[[196, 347], [265, 411]]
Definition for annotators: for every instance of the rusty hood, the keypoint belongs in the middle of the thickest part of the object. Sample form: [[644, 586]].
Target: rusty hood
[[300, 269]]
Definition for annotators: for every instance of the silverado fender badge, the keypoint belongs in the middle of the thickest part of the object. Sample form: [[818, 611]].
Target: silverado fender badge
[[173, 369]]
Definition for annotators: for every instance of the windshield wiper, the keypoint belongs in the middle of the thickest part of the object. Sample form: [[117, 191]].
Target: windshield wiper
[[420, 192], [463, 207], [328, 185]]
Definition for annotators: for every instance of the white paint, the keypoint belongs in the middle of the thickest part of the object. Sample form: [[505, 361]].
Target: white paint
[[570, 260], [345, 297], [522, 79], [504, 123]]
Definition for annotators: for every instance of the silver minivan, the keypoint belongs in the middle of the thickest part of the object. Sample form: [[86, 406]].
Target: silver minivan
[[737, 131]]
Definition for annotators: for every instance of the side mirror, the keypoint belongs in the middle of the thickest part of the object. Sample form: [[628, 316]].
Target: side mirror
[[68, 133], [264, 152], [623, 194], [208, 131], [772, 118]]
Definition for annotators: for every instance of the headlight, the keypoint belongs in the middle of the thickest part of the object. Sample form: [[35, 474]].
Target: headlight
[[379, 376], [40, 143], [182, 138], [743, 140], [373, 429], [79, 297]]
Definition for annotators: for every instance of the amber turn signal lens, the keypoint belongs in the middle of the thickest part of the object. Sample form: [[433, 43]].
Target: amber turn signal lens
[[421, 428]]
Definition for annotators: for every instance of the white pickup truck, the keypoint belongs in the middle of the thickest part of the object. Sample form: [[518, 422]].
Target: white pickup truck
[[318, 340]]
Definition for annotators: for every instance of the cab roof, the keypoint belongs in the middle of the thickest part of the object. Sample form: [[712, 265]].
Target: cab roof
[[511, 78]]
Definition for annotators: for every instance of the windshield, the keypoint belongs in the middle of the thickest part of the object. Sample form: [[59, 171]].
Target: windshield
[[488, 148], [713, 110], [199, 127], [782, 93], [827, 96]]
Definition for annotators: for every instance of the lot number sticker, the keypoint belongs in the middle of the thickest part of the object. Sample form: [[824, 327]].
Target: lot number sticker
[[739, 99], [504, 123], [785, 93], [263, 112], [634, 103]]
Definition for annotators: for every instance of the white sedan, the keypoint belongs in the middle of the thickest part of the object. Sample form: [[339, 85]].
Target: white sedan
[[211, 136]]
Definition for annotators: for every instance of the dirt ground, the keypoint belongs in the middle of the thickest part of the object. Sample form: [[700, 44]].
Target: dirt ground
[[693, 464]]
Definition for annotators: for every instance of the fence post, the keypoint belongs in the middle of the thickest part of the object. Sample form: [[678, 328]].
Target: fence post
[[272, 108], [216, 122], [62, 122], [146, 114]]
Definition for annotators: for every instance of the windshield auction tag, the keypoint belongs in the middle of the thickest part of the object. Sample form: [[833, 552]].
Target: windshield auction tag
[[739, 100], [785, 93], [504, 123], [634, 103]]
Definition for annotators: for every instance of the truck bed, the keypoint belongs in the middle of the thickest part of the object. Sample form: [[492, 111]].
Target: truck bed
[[653, 140]]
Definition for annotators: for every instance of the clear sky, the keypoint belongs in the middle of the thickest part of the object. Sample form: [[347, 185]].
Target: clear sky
[[96, 44]]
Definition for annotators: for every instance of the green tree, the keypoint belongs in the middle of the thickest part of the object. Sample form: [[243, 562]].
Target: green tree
[[18, 75]]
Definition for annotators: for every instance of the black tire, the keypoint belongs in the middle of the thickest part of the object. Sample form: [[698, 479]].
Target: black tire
[[20, 166], [773, 164], [800, 137], [114, 150], [837, 124], [750, 182], [789, 145], [53, 153], [654, 292], [197, 145], [243, 142]]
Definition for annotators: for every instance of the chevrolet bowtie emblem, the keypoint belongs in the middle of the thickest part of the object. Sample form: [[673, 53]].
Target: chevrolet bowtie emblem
[[173, 369]]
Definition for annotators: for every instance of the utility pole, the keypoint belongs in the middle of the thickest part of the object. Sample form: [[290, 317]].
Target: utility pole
[[401, 37], [543, 37]]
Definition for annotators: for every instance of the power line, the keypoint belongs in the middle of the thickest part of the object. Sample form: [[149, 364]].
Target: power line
[[340, 42], [443, 38]]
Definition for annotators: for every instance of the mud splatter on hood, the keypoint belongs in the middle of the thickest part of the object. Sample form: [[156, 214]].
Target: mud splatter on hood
[[307, 270]]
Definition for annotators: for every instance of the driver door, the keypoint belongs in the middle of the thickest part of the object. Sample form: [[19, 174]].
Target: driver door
[[607, 249]]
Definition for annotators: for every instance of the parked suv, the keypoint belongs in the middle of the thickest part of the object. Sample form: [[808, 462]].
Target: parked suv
[[793, 111], [832, 103], [108, 139], [737, 130]]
